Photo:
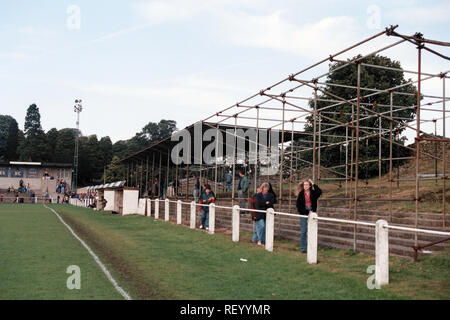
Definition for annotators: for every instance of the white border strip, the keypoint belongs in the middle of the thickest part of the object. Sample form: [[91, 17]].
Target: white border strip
[[105, 271]]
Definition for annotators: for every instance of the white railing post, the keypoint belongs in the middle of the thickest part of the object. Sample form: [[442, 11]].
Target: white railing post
[[270, 224], [212, 218], [193, 208], [179, 212], [311, 253], [149, 207], [156, 209], [381, 253], [166, 209], [235, 223]]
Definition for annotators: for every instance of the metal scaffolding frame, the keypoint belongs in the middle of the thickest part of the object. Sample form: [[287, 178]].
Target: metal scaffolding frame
[[283, 111]]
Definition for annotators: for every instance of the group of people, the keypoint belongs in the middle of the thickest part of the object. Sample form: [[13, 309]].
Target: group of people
[[62, 187], [307, 195]]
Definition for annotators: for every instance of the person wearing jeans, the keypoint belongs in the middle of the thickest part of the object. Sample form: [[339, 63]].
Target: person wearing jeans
[[264, 201], [308, 193], [304, 231], [242, 189], [206, 198]]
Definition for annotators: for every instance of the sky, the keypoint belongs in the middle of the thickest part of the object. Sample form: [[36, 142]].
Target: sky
[[132, 62]]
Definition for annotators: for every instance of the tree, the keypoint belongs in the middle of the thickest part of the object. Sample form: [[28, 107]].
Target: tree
[[65, 146], [120, 148], [115, 171], [35, 146], [33, 121], [150, 134], [369, 78], [106, 151], [9, 133], [158, 131], [52, 138]]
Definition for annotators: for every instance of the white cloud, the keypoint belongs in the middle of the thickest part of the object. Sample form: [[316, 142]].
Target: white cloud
[[14, 55], [121, 32], [36, 31], [172, 10], [420, 14], [273, 31]]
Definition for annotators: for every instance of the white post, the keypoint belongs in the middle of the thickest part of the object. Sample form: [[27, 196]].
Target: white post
[[149, 207], [235, 223], [166, 209], [381, 253], [270, 224], [157, 209], [212, 218], [193, 208], [311, 255], [179, 212]]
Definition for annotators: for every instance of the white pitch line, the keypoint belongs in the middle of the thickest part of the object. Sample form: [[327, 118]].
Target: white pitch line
[[105, 271]]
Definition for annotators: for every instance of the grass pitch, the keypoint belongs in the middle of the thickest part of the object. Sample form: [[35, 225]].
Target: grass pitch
[[153, 259]]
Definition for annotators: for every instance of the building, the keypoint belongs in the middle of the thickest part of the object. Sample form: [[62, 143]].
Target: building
[[40, 177]]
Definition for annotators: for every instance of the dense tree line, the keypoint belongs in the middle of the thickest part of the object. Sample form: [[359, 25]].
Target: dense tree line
[[96, 156]]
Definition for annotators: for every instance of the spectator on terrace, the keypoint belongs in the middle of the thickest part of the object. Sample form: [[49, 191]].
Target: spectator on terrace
[[163, 193], [206, 198], [157, 188], [228, 180], [242, 189], [1, 197], [196, 187], [253, 206], [308, 193], [264, 201], [175, 184], [103, 203]]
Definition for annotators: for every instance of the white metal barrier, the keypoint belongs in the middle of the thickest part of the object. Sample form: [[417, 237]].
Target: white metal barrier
[[381, 231], [27, 200]]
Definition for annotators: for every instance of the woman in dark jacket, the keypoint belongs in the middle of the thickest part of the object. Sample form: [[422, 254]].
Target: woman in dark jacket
[[264, 201], [308, 193]]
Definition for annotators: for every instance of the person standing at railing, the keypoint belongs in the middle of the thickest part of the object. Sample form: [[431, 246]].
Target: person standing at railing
[[156, 188], [228, 180], [264, 201], [242, 189], [308, 193], [253, 213], [206, 198], [196, 187], [103, 203]]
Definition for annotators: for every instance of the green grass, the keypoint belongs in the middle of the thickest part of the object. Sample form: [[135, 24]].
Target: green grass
[[159, 260], [35, 251]]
